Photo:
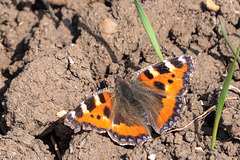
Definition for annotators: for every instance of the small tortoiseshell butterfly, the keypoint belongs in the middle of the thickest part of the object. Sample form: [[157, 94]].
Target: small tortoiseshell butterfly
[[150, 98]]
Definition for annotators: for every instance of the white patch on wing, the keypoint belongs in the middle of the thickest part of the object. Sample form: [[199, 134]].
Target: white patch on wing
[[84, 107], [166, 88], [153, 72], [73, 114], [169, 65], [97, 100], [182, 59], [105, 118]]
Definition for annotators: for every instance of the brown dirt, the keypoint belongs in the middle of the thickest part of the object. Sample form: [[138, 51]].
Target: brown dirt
[[48, 66]]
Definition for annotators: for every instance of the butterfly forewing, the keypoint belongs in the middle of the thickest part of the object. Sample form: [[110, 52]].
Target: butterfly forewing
[[93, 113], [169, 77]]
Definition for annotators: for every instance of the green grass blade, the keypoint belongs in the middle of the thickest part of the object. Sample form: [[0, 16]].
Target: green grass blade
[[226, 84], [48, 6], [222, 98], [149, 29], [227, 39]]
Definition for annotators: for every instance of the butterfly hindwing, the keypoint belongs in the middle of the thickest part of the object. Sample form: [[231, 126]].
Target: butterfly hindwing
[[128, 126], [166, 112]]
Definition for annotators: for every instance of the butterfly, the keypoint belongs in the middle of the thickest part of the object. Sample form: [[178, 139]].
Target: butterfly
[[151, 98]]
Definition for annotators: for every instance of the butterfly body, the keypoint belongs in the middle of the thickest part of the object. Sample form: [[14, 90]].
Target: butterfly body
[[150, 98]]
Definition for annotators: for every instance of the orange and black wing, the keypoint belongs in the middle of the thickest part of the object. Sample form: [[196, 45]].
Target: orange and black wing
[[170, 77], [165, 83], [127, 128], [93, 113], [102, 114]]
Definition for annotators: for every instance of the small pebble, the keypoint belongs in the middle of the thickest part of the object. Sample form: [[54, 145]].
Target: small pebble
[[152, 157], [212, 6], [108, 26], [61, 113]]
